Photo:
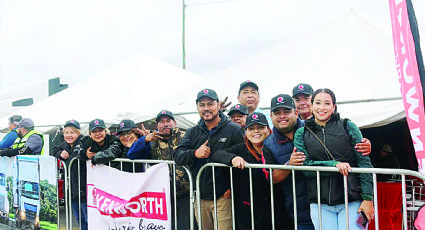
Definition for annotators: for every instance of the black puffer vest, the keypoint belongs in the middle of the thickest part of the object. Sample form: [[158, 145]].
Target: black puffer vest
[[336, 139]]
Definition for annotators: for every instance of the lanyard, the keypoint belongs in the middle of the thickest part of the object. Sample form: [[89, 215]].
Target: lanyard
[[264, 162]]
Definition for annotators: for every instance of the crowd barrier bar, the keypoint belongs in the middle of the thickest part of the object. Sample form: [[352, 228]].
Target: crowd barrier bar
[[319, 169], [146, 163], [65, 191]]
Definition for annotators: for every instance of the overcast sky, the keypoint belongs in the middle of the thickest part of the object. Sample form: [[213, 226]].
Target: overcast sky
[[76, 39]]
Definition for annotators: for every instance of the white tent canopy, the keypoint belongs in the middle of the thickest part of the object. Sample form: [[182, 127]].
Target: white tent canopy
[[350, 56], [122, 92]]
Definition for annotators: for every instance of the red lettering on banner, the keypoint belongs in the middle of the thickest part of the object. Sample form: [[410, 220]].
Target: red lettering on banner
[[149, 205], [407, 68]]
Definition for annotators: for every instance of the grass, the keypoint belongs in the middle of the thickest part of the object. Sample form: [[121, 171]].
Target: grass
[[48, 225]]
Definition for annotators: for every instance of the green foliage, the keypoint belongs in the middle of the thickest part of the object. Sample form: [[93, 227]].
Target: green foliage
[[48, 202], [9, 182]]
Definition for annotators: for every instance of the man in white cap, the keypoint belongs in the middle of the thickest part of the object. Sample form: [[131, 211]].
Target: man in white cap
[[29, 141]]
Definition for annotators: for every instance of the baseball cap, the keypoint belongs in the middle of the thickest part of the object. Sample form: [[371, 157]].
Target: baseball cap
[[207, 93], [164, 113], [256, 118], [126, 125], [74, 123], [246, 84], [26, 123], [387, 148], [282, 101], [96, 123], [302, 88], [238, 108]]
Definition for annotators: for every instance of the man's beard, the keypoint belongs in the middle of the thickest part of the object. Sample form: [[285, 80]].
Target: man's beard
[[19, 134], [169, 134], [213, 117]]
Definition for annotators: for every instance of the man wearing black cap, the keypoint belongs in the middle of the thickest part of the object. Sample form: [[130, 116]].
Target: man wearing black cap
[[213, 132], [302, 94], [280, 143], [29, 141], [238, 114], [161, 145], [249, 96], [281, 151], [302, 97]]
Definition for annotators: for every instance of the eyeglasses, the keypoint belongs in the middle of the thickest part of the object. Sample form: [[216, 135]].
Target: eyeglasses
[[125, 133]]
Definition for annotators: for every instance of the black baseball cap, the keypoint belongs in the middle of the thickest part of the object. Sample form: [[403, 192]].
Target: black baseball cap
[[96, 123], [282, 101], [164, 113], [72, 122], [256, 118], [207, 93], [246, 84], [302, 88], [126, 125], [238, 108]]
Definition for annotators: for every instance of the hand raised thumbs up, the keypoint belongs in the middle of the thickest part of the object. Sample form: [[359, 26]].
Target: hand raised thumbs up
[[203, 151]]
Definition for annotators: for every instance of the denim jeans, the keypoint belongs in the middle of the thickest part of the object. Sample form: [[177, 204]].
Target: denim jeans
[[75, 207], [333, 217]]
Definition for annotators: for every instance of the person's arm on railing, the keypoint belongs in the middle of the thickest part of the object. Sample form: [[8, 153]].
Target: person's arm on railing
[[109, 154], [299, 144]]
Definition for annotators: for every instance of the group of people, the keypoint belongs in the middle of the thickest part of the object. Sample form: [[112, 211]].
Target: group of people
[[302, 129]]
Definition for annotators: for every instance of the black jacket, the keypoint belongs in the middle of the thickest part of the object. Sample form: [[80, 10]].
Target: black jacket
[[225, 135], [261, 193], [78, 167], [111, 149]]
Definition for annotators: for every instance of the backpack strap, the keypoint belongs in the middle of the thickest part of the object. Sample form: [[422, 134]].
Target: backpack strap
[[345, 125]]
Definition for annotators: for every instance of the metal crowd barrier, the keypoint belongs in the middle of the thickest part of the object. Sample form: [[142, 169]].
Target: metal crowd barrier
[[145, 164], [318, 170], [65, 191]]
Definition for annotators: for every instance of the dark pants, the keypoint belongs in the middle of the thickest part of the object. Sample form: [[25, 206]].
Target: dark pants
[[183, 213], [75, 210]]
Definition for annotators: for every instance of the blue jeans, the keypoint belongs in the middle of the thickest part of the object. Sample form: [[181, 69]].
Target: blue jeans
[[76, 212], [333, 217]]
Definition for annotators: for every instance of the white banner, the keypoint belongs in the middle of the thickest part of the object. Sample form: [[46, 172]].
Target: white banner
[[121, 200]]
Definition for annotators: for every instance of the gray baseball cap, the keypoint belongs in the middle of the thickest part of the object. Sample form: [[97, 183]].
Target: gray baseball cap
[[26, 123]]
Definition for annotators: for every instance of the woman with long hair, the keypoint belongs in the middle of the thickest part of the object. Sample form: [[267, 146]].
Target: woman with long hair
[[256, 131], [327, 140]]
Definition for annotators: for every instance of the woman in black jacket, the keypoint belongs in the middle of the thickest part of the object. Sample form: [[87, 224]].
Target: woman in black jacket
[[69, 149], [256, 131]]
